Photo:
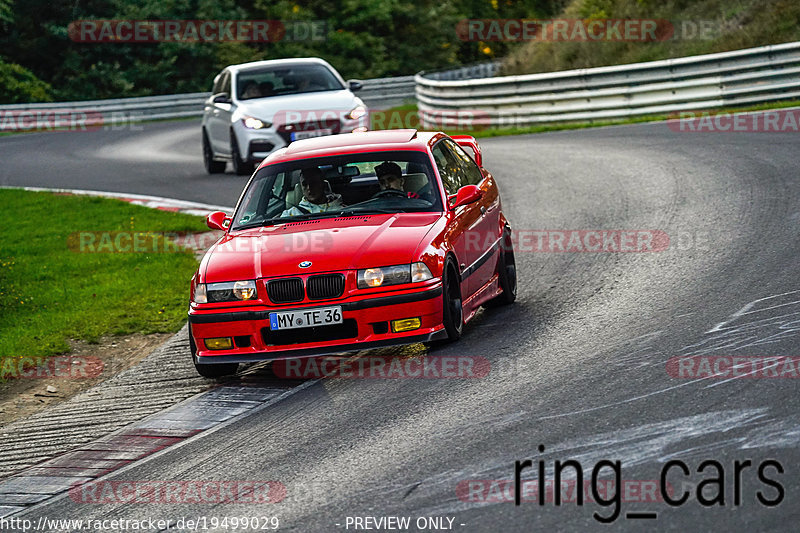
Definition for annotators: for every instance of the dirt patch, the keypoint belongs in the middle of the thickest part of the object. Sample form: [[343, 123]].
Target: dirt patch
[[62, 377]]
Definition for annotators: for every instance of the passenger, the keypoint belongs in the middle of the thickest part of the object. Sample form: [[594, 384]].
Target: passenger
[[266, 88], [315, 199]]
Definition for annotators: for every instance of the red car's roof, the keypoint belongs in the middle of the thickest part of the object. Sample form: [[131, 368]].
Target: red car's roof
[[368, 141]]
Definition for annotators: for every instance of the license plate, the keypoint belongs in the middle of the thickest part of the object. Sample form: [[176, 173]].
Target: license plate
[[305, 318], [298, 135]]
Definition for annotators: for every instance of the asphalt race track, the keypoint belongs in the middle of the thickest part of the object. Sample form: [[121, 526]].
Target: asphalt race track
[[578, 364]]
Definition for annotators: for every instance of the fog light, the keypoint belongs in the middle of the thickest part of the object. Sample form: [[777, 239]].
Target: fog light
[[219, 343], [406, 324]]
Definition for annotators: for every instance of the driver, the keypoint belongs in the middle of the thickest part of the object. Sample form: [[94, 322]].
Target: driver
[[251, 90], [390, 177], [315, 199]]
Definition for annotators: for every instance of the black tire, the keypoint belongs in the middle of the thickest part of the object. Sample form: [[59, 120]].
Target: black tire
[[213, 371], [453, 312], [240, 167], [212, 167], [507, 275]]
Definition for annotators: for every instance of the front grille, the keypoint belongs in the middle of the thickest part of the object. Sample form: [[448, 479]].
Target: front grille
[[261, 146], [283, 291], [346, 330], [325, 286]]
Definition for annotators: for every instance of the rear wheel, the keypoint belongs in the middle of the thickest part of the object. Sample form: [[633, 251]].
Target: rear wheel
[[507, 275], [240, 167], [212, 167], [213, 371]]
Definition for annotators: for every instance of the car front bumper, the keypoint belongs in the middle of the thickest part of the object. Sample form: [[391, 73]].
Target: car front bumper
[[256, 144], [254, 341]]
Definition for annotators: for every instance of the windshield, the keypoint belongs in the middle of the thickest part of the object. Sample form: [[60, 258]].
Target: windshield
[[376, 182], [285, 79]]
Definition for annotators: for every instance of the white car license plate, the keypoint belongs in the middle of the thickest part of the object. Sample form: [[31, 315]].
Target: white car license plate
[[298, 135], [305, 318]]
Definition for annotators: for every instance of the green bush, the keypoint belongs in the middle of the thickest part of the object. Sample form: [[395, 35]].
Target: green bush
[[734, 25], [19, 85]]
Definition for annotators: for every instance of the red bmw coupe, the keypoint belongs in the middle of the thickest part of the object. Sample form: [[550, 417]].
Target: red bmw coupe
[[350, 242]]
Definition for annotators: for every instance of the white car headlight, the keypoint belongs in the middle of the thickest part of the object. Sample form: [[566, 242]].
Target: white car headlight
[[357, 112], [254, 123]]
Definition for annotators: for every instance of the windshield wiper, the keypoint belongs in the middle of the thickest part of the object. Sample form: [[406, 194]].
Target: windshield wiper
[[368, 211], [263, 223], [325, 214]]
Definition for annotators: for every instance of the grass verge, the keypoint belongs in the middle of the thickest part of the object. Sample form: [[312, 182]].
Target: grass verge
[[50, 294]]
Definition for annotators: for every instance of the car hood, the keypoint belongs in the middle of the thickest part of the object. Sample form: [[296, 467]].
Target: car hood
[[329, 244], [282, 109]]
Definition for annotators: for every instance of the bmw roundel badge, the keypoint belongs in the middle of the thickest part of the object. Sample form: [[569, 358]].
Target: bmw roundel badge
[[305, 264]]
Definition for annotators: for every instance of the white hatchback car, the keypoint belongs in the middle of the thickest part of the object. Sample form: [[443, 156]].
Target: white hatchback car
[[257, 108]]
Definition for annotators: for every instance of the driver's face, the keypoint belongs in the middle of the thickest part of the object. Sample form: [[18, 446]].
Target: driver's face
[[391, 181], [313, 189]]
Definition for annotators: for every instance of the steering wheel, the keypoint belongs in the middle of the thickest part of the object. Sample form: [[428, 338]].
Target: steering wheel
[[390, 192]]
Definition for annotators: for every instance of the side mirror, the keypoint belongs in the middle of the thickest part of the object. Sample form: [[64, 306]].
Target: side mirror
[[222, 99], [466, 195], [218, 220], [355, 85]]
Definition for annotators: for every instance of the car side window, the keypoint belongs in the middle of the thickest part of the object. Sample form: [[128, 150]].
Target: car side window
[[470, 168], [218, 83], [226, 84], [449, 168]]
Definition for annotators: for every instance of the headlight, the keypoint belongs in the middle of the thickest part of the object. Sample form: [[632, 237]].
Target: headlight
[[357, 112], [254, 123], [420, 272], [199, 296], [244, 290], [393, 275], [229, 291]]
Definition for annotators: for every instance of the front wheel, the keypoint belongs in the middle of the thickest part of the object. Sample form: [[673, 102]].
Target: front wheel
[[452, 312], [507, 276], [212, 167], [212, 371], [240, 167]]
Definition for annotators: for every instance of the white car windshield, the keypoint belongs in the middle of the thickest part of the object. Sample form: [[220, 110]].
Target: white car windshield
[[281, 80]]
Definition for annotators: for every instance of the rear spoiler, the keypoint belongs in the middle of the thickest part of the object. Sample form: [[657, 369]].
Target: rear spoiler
[[468, 141]]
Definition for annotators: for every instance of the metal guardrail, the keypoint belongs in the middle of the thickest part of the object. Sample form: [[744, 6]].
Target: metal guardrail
[[749, 76], [117, 109], [376, 93], [469, 72], [387, 92]]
